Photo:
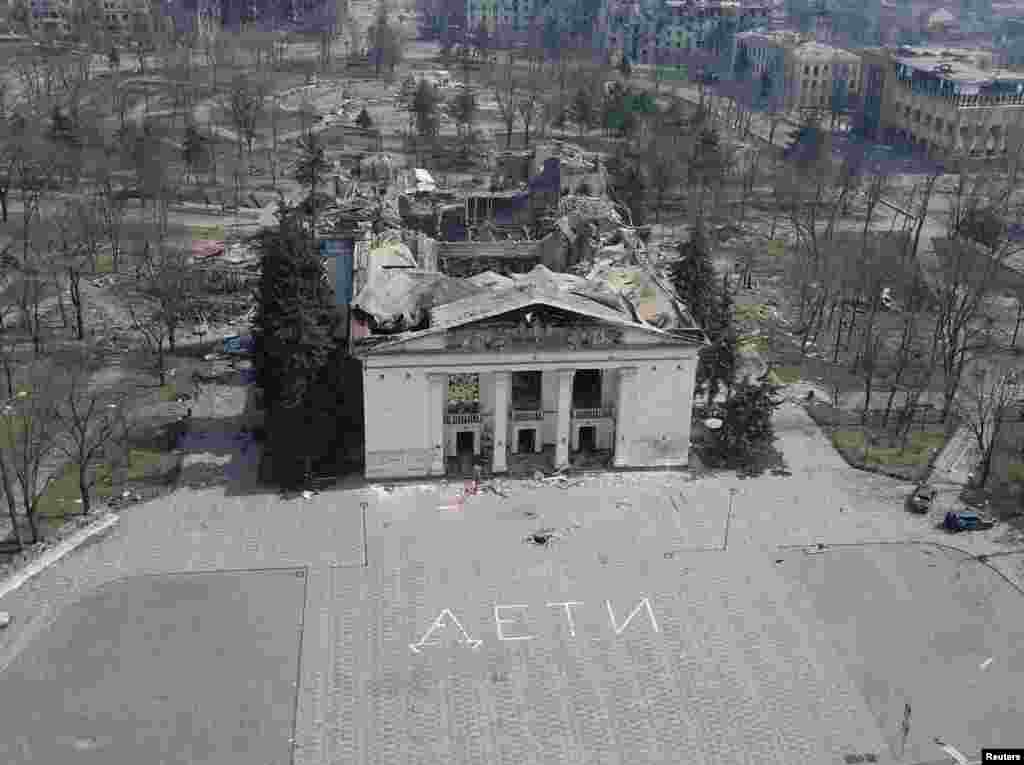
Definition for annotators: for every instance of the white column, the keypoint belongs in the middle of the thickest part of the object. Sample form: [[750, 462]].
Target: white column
[[564, 417], [438, 401], [500, 459], [623, 413]]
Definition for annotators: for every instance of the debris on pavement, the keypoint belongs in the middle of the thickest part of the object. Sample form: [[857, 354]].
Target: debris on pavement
[[985, 664], [542, 538], [5, 620]]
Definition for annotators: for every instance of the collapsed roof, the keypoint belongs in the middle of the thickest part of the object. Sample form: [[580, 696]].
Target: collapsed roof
[[402, 300]]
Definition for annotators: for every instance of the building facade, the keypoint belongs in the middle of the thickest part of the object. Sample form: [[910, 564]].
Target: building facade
[[799, 73], [672, 31], [941, 101], [557, 373]]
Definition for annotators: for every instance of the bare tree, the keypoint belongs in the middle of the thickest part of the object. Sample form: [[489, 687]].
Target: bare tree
[[245, 101], [984, 404], [531, 95], [90, 421], [160, 300], [28, 441], [663, 167], [505, 86], [76, 239], [110, 207]]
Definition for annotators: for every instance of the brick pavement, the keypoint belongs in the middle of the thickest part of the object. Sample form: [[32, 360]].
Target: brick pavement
[[727, 611], [724, 677]]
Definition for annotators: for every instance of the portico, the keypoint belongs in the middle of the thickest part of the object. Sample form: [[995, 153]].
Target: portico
[[552, 371]]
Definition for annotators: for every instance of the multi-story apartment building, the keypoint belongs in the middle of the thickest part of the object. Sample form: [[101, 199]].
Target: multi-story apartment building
[[312, 15], [941, 101], [670, 31], [51, 17], [802, 74], [819, 76], [506, 19], [644, 31]]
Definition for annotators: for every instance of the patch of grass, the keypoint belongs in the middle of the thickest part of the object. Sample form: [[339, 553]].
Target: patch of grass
[[142, 464], [917, 452], [10, 426], [753, 344], [751, 312], [784, 375], [1015, 471], [168, 392], [105, 264], [60, 498], [848, 439]]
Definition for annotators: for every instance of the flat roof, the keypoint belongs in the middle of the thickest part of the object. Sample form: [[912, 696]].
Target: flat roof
[[958, 64]]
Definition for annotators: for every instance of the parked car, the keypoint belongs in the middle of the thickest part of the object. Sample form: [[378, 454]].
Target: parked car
[[921, 500]]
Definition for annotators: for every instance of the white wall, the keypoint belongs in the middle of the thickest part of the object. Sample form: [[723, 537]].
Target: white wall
[[397, 418], [657, 428]]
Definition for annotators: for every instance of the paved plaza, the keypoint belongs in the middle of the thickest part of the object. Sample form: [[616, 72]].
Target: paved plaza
[[670, 618]]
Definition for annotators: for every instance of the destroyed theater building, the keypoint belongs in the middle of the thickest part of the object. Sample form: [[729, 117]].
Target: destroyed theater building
[[499, 351], [561, 364]]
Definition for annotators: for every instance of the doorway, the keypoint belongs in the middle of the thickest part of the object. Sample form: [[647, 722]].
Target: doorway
[[527, 441], [464, 443], [588, 438]]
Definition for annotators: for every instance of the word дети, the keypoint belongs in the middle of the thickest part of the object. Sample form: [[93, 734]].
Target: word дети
[[509, 623]]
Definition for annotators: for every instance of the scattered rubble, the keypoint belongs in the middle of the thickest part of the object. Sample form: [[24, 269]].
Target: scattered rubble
[[542, 538]]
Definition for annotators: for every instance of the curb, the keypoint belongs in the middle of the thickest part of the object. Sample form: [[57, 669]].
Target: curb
[[54, 554]]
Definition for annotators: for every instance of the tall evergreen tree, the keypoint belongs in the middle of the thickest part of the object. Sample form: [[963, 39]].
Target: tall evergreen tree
[[717, 365], [747, 423], [693, 277], [294, 332]]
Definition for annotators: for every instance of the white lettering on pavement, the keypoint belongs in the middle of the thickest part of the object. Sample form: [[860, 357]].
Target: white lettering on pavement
[[643, 603], [439, 625], [567, 605], [499, 621]]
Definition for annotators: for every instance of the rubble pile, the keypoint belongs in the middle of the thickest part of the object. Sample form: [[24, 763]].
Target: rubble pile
[[571, 156], [359, 208], [379, 167], [590, 208]]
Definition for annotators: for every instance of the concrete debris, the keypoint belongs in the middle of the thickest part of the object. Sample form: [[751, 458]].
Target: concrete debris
[[590, 208]]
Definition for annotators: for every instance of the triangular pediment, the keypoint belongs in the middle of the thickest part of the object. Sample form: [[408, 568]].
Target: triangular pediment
[[535, 327]]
